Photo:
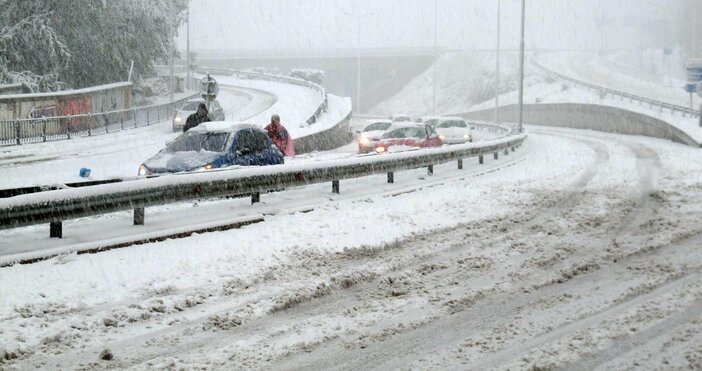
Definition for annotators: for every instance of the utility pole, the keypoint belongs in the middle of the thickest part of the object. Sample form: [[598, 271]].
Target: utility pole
[[497, 67], [433, 69], [188, 76], [172, 56], [521, 72], [358, 57]]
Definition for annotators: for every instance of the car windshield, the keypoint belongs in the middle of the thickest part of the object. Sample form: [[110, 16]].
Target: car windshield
[[194, 142], [190, 106], [401, 118], [408, 132], [377, 126], [452, 124]]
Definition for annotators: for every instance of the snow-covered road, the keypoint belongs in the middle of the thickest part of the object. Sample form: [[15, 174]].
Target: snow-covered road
[[584, 255]]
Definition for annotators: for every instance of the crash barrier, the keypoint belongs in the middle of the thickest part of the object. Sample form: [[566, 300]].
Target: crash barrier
[[588, 116], [57, 206], [16, 132], [321, 108], [603, 91]]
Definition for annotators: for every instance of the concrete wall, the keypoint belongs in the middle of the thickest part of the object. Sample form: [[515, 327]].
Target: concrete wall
[[334, 137], [588, 116]]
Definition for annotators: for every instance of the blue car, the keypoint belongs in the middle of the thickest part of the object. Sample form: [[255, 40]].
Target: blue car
[[214, 145]]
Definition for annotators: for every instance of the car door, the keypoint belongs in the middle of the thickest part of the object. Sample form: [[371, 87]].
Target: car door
[[268, 153], [432, 139], [244, 148]]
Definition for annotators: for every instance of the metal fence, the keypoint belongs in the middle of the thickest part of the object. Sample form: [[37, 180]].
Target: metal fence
[[17, 132], [603, 91]]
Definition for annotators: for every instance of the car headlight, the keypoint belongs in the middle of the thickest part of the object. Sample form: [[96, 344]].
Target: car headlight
[[466, 136], [380, 149], [364, 140], [177, 119], [142, 170], [442, 137], [207, 167]]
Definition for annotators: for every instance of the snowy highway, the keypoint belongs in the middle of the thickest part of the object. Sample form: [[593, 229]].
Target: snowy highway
[[582, 253]]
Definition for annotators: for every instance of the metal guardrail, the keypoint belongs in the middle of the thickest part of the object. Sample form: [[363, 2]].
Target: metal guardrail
[[622, 94], [57, 206], [321, 108], [17, 132]]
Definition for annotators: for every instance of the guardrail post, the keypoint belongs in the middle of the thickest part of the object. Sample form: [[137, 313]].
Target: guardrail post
[[56, 229], [134, 118], [17, 132], [335, 186], [121, 120], [513, 149], [430, 169], [43, 130], [481, 160], [139, 216], [255, 197], [460, 163], [158, 114], [147, 117], [495, 155], [68, 128], [89, 125], [506, 151], [391, 177]]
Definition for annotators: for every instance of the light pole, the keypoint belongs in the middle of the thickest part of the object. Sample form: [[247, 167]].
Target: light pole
[[521, 73], [433, 69], [497, 67], [187, 48], [358, 56], [172, 50]]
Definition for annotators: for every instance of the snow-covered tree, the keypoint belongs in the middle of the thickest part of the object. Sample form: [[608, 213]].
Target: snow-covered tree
[[46, 43]]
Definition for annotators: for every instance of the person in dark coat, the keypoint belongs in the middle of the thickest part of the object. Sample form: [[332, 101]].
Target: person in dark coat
[[197, 118]]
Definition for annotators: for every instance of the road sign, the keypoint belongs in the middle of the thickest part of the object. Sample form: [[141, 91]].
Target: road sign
[[209, 88]]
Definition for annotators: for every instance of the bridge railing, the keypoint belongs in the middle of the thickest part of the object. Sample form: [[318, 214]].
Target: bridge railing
[[603, 91]]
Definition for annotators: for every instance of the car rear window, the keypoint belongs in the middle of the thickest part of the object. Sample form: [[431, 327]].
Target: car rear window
[[408, 132], [194, 142], [453, 124], [377, 126]]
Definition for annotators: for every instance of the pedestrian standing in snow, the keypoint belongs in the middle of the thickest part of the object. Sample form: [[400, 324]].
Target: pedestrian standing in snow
[[197, 118], [280, 136]]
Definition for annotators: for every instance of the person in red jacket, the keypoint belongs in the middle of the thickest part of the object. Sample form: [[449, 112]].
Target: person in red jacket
[[280, 136]]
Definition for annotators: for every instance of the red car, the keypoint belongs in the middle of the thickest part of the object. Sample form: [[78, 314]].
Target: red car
[[402, 137]]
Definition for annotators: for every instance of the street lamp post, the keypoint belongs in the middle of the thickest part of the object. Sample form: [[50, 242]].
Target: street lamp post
[[521, 73], [433, 69], [187, 48], [497, 67], [358, 57]]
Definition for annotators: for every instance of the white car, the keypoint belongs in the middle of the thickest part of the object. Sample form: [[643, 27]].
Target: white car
[[369, 136], [452, 130]]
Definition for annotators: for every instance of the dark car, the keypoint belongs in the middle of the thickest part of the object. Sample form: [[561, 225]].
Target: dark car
[[214, 145], [216, 113]]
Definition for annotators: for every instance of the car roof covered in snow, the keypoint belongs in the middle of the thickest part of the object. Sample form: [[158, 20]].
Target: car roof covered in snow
[[223, 126], [450, 118], [374, 121]]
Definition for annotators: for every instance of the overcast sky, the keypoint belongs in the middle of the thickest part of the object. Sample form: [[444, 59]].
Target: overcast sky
[[466, 24]]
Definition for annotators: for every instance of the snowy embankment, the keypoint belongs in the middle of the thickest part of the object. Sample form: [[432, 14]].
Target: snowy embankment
[[295, 104], [466, 82], [608, 71], [541, 266]]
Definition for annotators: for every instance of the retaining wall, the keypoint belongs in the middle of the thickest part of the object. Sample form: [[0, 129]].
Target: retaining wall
[[588, 116]]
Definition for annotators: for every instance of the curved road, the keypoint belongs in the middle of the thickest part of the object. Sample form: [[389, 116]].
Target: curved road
[[585, 255]]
